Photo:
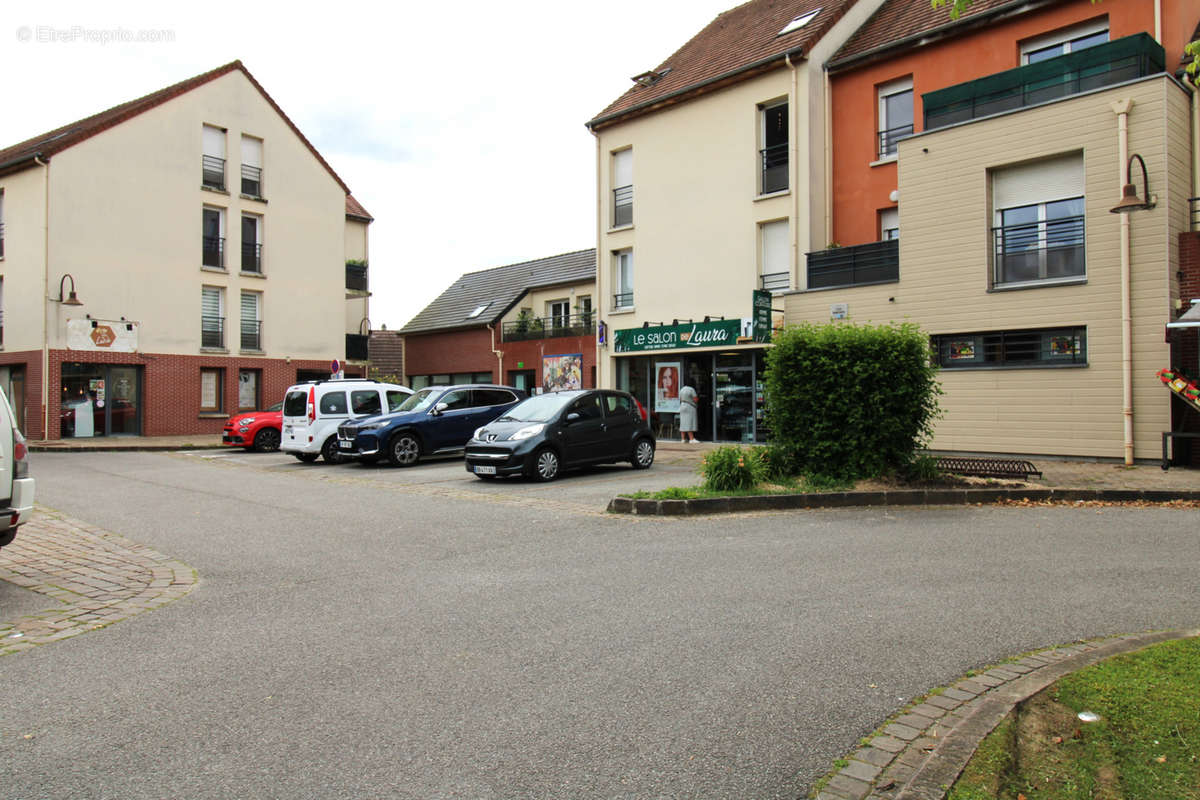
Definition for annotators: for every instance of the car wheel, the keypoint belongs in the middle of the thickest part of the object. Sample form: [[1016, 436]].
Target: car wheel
[[7, 537], [404, 450], [545, 464], [330, 452], [307, 458], [266, 440], [643, 454]]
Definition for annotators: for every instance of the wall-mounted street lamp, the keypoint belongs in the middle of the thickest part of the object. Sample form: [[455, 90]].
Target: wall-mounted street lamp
[[1129, 197], [71, 299]]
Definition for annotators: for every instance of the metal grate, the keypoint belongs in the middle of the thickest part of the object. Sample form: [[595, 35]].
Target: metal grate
[[988, 467]]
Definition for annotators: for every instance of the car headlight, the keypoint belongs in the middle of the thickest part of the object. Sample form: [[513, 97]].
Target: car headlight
[[527, 431], [370, 426], [477, 434], [248, 421]]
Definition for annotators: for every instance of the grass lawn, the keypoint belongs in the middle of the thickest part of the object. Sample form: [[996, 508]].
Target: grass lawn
[[1146, 745]]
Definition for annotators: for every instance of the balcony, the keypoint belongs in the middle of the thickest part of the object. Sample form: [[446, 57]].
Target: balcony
[[212, 332], [774, 168], [1, 240], [622, 300], [776, 281], [356, 276], [860, 265], [889, 138], [251, 181], [214, 252], [522, 330], [356, 347], [1039, 251], [1092, 68], [1193, 206], [251, 257], [212, 172], [251, 334], [622, 206]]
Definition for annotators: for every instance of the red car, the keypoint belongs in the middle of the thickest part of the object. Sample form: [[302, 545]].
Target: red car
[[255, 430]]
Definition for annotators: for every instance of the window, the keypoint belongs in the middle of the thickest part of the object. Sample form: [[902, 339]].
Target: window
[[252, 167], [212, 241], [459, 398], [775, 255], [622, 181], [212, 162], [333, 403], [493, 397], [479, 309], [1, 223], [623, 279], [1059, 43], [211, 401], [617, 405], [895, 115], [365, 401], [1049, 347], [251, 321], [394, 399], [1039, 223], [559, 312], [583, 305], [212, 317], [248, 383], [588, 408], [799, 22], [889, 224], [773, 120], [251, 243]]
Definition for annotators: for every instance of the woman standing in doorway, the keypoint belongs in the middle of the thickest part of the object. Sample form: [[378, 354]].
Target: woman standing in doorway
[[687, 414]]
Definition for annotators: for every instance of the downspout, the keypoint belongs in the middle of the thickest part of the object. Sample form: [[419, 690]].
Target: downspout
[[794, 168], [1190, 82], [828, 160], [1121, 109], [499, 354], [46, 302], [601, 300], [1158, 21]]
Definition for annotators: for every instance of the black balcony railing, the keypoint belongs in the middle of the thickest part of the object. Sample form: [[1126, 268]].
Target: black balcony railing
[[623, 300], [622, 206], [1039, 251], [1193, 204], [356, 277], [251, 257], [1095, 67], [356, 347], [212, 331], [549, 327], [888, 139], [251, 181], [214, 252], [776, 281], [212, 172], [251, 334], [1, 240], [774, 168], [876, 262]]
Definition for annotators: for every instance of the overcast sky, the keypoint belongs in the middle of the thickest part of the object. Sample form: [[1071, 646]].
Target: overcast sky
[[460, 126]]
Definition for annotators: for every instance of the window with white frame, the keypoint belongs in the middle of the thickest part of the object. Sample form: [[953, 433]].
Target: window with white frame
[[895, 115], [889, 224], [212, 398], [559, 312], [773, 144], [1, 223], [212, 237], [252, 161], [622, 182], [775, 263], [251, 320], [212, 160], [212, 317], [1038, 233], [1069, 40], [623, 279], [252, 230]]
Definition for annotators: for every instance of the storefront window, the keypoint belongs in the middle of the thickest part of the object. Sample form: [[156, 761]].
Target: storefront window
[[99, 400]]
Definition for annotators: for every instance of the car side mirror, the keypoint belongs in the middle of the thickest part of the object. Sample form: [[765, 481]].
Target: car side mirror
[[439, 408], [573, 417]]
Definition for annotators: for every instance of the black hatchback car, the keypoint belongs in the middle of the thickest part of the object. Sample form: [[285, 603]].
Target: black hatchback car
[[544, 434]]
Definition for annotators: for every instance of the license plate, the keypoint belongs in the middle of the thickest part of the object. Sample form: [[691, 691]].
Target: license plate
[[481, 469], [345, 445]]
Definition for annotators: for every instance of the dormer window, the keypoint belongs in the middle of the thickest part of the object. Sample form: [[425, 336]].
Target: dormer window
[[799, 22], [479, 309]]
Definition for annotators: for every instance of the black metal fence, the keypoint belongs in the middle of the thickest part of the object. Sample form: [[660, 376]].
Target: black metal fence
[[214, 252], [1193, 204], [251, 181], [622, 299], [1, 240], [212, 331], [548, 327], [876, 262], [356, 277], [776, 281], [888, 139], [622, 206], [774, 168], [251, 257], [212, 172], [356, 347], [1039, 251], [251, 334]]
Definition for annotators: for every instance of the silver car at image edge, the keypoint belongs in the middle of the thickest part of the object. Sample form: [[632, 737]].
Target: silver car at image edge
[[16, 486]]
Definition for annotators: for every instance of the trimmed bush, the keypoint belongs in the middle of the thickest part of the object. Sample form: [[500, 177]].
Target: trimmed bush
[[851, 401]]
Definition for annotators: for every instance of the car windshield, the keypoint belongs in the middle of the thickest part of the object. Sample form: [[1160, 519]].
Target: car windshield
[[277, 407], [541, 408], [419, 401]]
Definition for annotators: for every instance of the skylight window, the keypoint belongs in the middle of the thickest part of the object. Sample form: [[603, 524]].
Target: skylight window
[[799, 22], [479, 310]]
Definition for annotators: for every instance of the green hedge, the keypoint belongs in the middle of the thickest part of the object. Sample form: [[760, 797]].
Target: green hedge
[[851, 401]]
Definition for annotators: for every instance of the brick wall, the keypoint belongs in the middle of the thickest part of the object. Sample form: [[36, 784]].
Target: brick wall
[[450, 352], [386, 353], [31, 360], [531, 353]]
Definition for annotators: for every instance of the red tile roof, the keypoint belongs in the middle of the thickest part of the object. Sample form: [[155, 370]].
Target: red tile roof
[[736, 45], [21, 156], [354, 210]]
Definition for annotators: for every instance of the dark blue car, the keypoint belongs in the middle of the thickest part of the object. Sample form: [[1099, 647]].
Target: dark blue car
[[436, 420]]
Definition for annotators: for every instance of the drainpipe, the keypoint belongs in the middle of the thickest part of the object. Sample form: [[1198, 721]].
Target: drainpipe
[[1157, 22], [601, 300], [46, 302], [828, 160], [1190, 82], [1121, 109], [794, 167], [499, 354]]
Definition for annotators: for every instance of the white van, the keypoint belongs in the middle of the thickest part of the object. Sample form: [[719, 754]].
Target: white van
[[16, 487], [312, 412]]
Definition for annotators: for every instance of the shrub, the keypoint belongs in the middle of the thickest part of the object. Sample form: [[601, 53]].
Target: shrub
[[779, 462], [730, 468], [851, 401]]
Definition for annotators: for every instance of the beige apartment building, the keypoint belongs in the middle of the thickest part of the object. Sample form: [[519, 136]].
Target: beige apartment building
[[711, 175], [172, 260]]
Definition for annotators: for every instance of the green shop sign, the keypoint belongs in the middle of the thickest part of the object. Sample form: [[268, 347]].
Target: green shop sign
[[718, 333]]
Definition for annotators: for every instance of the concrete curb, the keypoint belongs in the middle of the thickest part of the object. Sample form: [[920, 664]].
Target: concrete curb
[[36, 447], [919, 754], [900, 497]]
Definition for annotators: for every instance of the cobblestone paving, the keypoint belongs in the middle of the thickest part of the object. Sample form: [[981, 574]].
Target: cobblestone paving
[[91, 578]]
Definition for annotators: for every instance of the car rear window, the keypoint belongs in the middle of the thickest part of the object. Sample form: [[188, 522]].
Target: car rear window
[[493, 397], [333, 403], [365, 401], [459, 398], [295, 404]]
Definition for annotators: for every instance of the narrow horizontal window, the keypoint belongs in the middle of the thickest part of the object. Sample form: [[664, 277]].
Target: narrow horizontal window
[[1043, 347]]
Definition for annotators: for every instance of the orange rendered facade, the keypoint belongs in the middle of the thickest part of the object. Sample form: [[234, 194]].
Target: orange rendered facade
[[862, 183]]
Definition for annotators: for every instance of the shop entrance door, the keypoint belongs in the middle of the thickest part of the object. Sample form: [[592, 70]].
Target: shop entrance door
[[99, 400], [523, 379], [733, 397]]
